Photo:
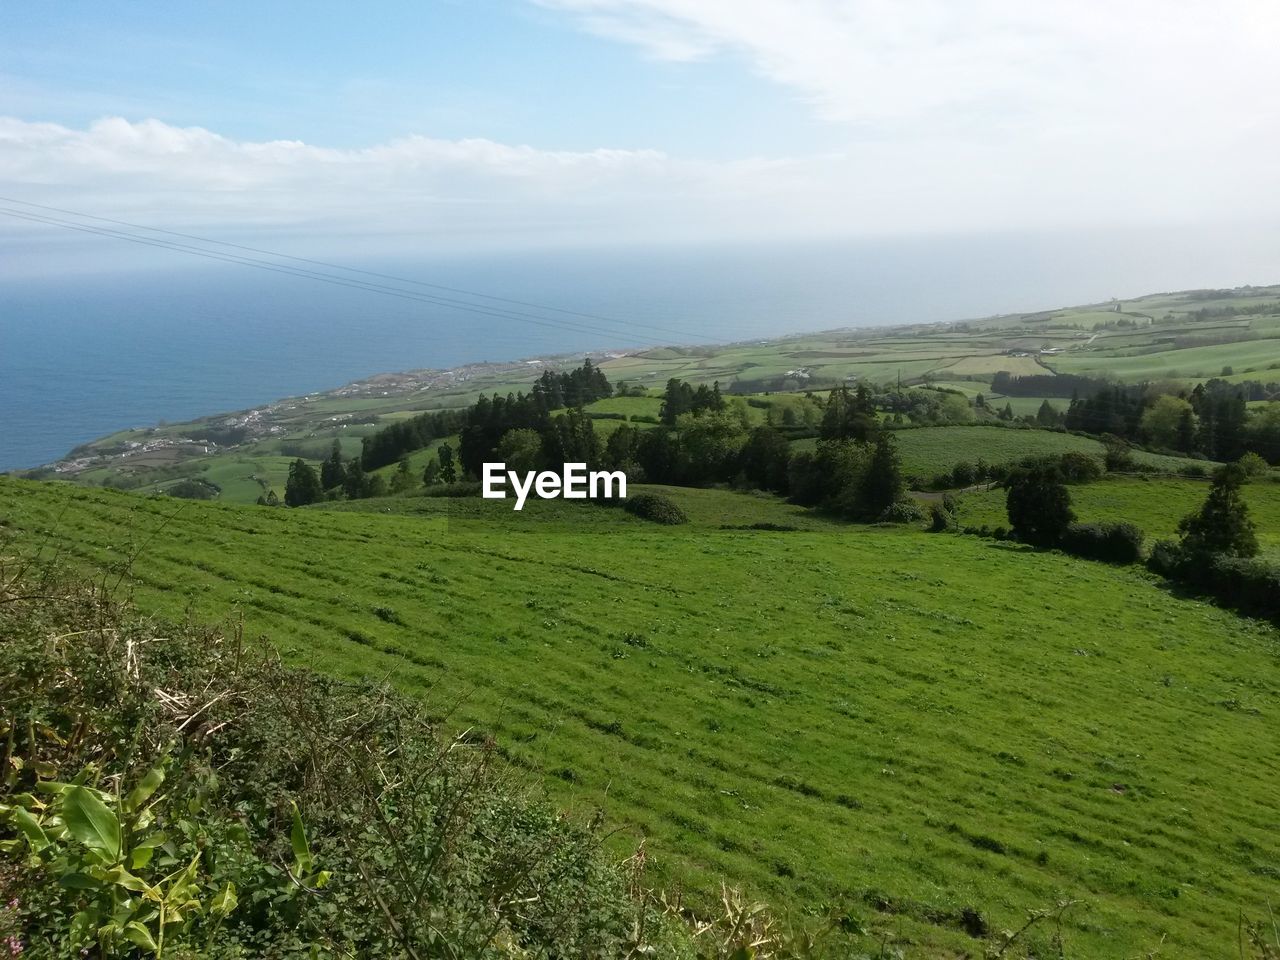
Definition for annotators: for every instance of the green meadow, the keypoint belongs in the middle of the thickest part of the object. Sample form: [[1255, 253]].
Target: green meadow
[[901, 729], [1154, 503]]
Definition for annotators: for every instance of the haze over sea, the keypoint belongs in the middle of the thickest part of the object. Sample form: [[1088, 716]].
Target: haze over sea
[[85, 354]]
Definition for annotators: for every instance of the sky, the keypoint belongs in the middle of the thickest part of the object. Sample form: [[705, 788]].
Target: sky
[[459, 125]]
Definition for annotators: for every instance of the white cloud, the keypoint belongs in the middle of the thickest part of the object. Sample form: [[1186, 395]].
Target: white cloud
[[1016, 68], [418, 194]]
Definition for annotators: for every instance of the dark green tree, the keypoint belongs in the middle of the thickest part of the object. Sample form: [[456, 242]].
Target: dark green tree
[[882, 484], [765, 459], [622, 447], [355, 483], [448, 472], [303, 485], [332, 471], [849, 416], [1187, 432], [571, 438], [1222, 524], [1039, 505], [403, 480]]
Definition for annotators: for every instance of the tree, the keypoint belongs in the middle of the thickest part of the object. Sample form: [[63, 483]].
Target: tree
[[765, 459], [1264, 432], [711, 443], [1222, 524], [520, 450], [431, 475], [403, 479], [303, 485], [849, 416], [954, 408], [882, 484], [355, 484], [1166, 421], [448, 472], [571, 438], [1047, 415], [622, 447], [333, 472], [1039, 505]]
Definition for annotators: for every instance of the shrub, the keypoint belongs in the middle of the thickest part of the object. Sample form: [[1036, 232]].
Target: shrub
[[902, 511], [1166, 559], [655, 507], [1119, 458], [941, 519], [1079, 467], [190, 489], [273, 812], [1245, 583], [1248, 584], [1112, 542], [1253, 465]]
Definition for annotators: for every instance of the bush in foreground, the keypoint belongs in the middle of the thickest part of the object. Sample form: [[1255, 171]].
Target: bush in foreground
[[190, 796]]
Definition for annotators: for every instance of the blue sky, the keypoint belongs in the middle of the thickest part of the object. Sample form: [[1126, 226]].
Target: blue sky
[[483, 124], [348, 75]]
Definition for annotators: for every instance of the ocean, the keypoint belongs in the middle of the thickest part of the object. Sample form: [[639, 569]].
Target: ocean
[[86, 354]]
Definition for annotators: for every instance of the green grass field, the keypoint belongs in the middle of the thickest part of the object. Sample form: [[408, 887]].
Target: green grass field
[[1155, 504], [890, 724], [1194, 363]]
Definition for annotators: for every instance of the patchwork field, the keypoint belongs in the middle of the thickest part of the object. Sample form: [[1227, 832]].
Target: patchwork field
[[1189, 337], [892, 726]]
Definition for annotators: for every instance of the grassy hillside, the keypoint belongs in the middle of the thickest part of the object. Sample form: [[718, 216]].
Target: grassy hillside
[[1155, 504], [893, 725]]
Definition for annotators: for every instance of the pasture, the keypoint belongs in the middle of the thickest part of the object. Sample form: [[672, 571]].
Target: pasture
[[1155, 504], [892, 726]]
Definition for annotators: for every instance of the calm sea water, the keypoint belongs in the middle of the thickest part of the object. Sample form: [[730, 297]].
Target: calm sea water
[[81, 356]]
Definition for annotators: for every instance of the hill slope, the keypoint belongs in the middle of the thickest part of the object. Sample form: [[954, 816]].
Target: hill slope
[[898, 725]]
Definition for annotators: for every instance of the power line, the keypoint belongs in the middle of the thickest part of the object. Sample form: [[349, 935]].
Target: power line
[[434, 300], [356, 270]]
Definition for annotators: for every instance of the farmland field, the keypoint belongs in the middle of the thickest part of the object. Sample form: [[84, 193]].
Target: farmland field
[[1155, 504], [1196, 362], [896, 725], [1160, 337]]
